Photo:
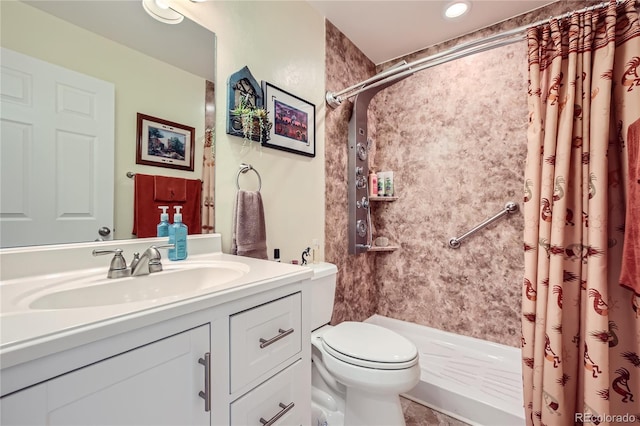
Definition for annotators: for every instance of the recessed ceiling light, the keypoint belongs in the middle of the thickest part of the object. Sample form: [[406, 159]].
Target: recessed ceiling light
[[456, 9], [160, 10]]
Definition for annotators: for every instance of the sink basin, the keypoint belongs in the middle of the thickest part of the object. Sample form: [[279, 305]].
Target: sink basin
[[173, 281]]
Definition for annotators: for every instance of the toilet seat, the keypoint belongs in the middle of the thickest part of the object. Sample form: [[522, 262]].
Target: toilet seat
[[370, 346]]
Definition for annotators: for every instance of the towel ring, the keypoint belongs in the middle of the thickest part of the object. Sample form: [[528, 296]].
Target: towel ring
[[244, 168]]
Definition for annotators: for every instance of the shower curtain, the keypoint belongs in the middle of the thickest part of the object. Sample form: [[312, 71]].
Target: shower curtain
[[580, 327], [208, 183]]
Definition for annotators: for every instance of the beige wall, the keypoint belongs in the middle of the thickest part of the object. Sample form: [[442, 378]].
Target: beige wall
[[281, 42], [137, 89]]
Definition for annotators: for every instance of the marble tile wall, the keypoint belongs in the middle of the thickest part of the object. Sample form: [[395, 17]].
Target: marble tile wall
[[356, 293], [455, 136]]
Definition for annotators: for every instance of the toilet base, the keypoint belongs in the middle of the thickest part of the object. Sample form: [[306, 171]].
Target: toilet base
[[359, 413], [321, 416], [370, 409], [355, 407]]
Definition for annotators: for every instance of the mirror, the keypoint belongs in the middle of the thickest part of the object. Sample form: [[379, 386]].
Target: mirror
[[162, 70]]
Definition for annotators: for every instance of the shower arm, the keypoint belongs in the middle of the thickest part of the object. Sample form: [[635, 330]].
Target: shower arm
[[334, 99]]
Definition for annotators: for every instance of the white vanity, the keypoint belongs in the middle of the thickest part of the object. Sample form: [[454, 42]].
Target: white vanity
[[175, 347]]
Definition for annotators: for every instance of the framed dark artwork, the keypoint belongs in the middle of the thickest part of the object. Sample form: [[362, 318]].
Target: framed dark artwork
[[164, 143], [242, 89], [293, 121]]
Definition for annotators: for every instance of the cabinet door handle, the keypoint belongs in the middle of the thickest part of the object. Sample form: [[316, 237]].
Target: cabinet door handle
[[206, 395], [283, 333], [272, 420]]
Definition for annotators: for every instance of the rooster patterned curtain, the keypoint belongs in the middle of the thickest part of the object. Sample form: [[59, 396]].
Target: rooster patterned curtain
[[580, 327], [209, 161], [208, 184]]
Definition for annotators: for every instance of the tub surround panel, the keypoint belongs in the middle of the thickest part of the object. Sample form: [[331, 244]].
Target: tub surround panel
[[356, 290], [457, 161], [455, 136]]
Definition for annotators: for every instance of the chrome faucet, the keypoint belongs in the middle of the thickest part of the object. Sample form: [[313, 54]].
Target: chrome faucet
[[149, 262]]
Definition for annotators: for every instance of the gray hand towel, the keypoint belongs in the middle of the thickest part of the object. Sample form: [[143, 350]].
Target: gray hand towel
[[249, 231]]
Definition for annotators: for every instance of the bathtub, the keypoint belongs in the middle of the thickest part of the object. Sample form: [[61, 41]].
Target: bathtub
[[472, 380]]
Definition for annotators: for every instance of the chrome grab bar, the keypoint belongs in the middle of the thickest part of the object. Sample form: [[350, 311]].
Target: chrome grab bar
[[509, 208]]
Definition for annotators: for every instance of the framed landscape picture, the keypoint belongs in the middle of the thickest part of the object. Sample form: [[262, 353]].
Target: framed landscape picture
[[164, 143]]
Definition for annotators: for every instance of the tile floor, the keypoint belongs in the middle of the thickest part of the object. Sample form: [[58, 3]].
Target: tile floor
[[419, 415]]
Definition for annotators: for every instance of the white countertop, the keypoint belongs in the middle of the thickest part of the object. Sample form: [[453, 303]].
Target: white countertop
[[26, 333]]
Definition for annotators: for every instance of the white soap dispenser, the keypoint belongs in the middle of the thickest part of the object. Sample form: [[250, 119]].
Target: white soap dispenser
[[178, 236]]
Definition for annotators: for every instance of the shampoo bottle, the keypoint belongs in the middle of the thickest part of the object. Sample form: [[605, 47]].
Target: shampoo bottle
[[178, 236], [163, 226], [373, 184], [380, 184]]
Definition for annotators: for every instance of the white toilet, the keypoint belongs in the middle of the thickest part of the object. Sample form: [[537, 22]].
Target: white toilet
[[359, 369]]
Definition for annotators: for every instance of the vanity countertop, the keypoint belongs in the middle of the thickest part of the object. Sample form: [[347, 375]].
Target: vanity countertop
[[27, 333]]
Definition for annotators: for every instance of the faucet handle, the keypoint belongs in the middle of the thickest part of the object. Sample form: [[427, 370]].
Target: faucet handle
[[118, 267], [155, 258]]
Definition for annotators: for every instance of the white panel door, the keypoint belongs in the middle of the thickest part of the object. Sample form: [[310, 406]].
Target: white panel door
[[56, 153]]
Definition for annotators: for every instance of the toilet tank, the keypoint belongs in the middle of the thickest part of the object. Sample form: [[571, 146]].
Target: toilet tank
[[323, 290]]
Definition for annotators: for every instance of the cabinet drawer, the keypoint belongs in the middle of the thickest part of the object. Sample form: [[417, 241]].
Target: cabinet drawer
[[277, 399], [263, 337]]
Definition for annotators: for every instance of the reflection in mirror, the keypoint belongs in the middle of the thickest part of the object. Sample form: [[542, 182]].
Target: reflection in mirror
[[162, 70]]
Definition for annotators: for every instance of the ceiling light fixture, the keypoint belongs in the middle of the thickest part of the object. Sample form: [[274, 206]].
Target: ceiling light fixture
[[456, 9], [159, 10]]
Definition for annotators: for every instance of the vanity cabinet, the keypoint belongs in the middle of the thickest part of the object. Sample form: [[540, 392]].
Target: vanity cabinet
[[155, 384], [259, 362]]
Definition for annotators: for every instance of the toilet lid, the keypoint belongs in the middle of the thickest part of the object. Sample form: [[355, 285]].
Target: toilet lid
[[370, 346]]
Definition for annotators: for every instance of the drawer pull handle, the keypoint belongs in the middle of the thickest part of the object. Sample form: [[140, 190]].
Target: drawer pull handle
[[272, 420], [283, 333], [206, 395]]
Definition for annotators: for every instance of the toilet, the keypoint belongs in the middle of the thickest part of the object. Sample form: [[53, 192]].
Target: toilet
[[358, 369]]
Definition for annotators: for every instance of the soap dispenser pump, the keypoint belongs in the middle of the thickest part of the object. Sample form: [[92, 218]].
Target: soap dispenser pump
[[163, 226], [178, 236]]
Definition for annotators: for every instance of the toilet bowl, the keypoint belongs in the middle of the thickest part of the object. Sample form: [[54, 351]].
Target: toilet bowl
[[359, 369]]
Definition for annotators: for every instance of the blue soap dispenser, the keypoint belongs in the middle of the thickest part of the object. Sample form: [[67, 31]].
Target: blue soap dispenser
[[178, 236], [163, 226]]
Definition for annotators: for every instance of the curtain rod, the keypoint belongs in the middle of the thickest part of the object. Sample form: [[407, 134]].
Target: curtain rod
[[334, 99]]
